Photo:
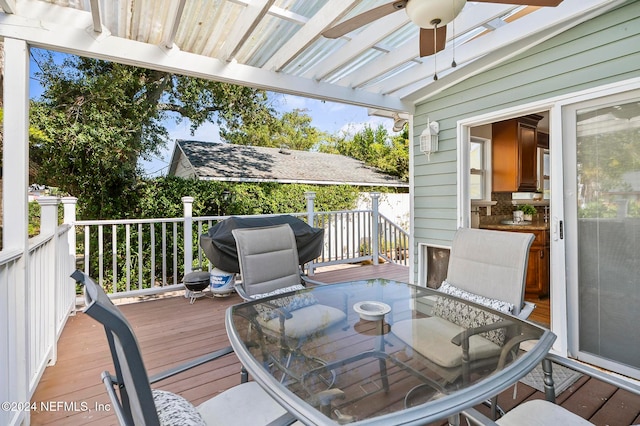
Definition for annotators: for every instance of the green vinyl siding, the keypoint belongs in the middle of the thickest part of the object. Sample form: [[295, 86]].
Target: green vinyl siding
[[603, 50]]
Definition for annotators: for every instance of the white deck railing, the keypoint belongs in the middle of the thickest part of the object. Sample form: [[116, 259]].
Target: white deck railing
[[39, 277], [134, 257]]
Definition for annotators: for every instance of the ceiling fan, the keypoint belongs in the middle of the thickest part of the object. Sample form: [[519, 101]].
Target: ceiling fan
[[431, 16]]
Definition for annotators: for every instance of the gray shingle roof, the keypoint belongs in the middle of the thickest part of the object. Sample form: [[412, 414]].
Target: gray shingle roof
[[221, 161]]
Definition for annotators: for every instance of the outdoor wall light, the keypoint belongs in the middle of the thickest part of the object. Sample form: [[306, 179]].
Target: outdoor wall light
[[429, 139], [399, 120]]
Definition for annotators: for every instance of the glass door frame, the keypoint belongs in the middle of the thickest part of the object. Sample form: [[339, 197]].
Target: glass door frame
[[569, 153]]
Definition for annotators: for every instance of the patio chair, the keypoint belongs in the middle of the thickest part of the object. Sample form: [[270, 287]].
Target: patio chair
[[488, 268], [268, 260], [135, 403], [536, 412]]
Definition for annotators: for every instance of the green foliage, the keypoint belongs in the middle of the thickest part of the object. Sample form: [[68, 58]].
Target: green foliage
[[96, 119], [376, 148], [527, 209], [161, 197], [291, 129]]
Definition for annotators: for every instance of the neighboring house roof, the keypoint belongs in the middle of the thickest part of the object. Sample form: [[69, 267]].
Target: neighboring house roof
[[239, 163]]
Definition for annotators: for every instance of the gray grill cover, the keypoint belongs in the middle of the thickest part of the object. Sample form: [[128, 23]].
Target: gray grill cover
[[220, 247]]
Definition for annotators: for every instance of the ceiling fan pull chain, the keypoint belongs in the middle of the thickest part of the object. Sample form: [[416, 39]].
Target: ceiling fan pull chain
[[435, 23], [453, 38]]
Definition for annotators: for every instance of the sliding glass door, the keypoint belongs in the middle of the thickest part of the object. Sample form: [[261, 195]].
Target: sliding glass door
[[602, 211]]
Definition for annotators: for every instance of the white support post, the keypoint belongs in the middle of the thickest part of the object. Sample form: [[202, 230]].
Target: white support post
[[187, 203], [48, 226], [375, 227], [310, 196], [14, 382]]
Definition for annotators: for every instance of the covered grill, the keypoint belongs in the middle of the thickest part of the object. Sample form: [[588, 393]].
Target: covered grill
[[219, 245]]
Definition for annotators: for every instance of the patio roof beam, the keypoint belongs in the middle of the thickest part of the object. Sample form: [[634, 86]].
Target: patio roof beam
[[95, 15], [175, 23], [8, 6], [251, 17], [330, 13], [366, 39], [131, 52]]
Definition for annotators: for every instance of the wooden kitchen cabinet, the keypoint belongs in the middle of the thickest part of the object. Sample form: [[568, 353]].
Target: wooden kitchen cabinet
[[514, 146]]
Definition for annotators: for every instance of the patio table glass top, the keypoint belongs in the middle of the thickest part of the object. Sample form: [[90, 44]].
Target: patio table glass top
[[378, 366]]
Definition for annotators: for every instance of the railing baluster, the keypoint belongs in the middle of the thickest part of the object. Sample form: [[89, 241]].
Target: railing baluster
[[87, 249], [140, 250], [100, 256], [164, 254], [114, 255], [175, 252], [153, 255], [127, 231]]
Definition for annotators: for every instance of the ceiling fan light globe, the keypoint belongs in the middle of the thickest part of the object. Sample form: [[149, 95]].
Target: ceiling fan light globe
[[422, 12]]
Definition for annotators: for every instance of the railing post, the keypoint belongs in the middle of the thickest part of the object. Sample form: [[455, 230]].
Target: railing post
[[375, 225], [48, 214], [187, 203], [310, 196]]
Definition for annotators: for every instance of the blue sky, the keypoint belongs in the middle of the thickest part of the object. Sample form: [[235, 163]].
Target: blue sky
[[329, 117]]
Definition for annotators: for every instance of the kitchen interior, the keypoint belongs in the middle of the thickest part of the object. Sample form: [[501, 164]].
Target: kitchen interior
[[509, 191]]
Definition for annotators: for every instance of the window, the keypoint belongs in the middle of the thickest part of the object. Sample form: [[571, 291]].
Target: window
[[479, 156], [544, 172]]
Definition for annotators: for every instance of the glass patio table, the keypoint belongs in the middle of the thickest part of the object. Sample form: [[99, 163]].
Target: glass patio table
[[359, 371]]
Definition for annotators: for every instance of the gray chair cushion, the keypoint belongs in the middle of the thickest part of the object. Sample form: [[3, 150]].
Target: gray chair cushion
[[175, 410], [307, 321], [244, 405], [431, 337], [539, 412]]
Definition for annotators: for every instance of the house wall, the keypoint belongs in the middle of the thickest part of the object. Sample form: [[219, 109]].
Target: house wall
[[600, 51], [183, 167]]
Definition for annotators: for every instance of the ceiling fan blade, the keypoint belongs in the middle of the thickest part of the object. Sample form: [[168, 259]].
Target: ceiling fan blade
[[427, 35], [364, 19], [546, 3]]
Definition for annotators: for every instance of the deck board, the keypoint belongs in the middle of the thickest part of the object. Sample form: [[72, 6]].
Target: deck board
[[170, 331]]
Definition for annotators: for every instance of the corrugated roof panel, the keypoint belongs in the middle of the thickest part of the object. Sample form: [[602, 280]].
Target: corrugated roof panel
[[273, 32], [317, 52], [205, 25], [397, 39]]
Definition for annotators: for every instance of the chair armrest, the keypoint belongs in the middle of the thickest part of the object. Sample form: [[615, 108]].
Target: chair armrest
[[526, 310], [190, 364], [306, 280], [240, 290], [466, 334]]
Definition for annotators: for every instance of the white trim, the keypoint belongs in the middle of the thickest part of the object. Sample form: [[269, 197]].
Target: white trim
[[304, 181]]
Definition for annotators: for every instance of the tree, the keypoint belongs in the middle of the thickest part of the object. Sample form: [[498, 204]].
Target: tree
[[98, 118], [376, 148], [292, 129]]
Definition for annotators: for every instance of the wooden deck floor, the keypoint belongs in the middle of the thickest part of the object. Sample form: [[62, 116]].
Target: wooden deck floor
[[170, 331]]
